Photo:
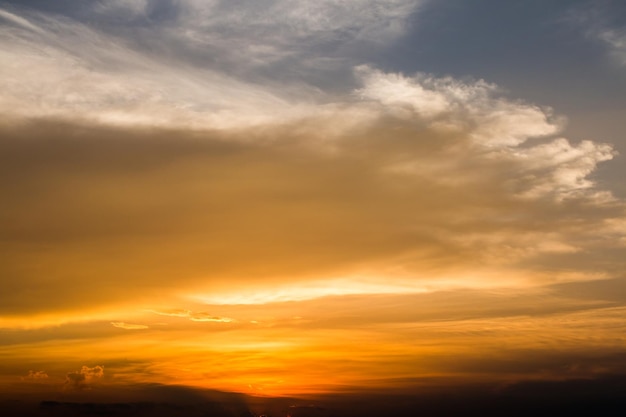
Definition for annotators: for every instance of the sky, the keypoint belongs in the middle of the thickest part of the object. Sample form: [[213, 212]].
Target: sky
[[289, 198]]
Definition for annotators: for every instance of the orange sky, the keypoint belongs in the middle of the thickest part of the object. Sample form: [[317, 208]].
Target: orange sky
[[200, 223]]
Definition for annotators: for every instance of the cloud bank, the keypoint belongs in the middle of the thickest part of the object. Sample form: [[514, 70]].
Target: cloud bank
[[435, 197], [435, 181]]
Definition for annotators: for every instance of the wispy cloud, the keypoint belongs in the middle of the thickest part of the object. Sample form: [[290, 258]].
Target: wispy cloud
[[19, 21], [206, 317], [199, 316], [601, 21], [616, 40], [128, 326], [107, 74]]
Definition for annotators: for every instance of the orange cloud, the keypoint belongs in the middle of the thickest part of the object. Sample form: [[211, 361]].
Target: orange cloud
[[193, 316], [35, 375], [128, 326], [84, 378]]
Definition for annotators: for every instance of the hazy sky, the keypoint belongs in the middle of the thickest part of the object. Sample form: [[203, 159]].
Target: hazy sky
[[287, 197]]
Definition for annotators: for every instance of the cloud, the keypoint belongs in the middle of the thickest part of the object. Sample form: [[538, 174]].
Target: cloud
[[193, 316], [209, 318], [116, 75], [199, 179], [601, 22], [35, 376], [95, 76], [19, 21], [272, 29], [128, 326], [616, 40], [121, 9], [494, 129], [172, 313], [455, 106], [83, 379], [561, 169], [475, 190], [288, 23]]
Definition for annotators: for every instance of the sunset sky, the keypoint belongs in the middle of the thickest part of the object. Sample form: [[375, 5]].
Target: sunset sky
[[292, 197]]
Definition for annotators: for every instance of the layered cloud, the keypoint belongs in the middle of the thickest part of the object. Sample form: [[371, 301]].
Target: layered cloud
[[367, 342], [457, 195], [434, 181]]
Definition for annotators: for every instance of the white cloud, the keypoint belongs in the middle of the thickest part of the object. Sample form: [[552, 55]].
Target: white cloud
[[73, 72], [19, 21], [193, 69], [495, 127], [559, 168], [449, 104], [405, 97]]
